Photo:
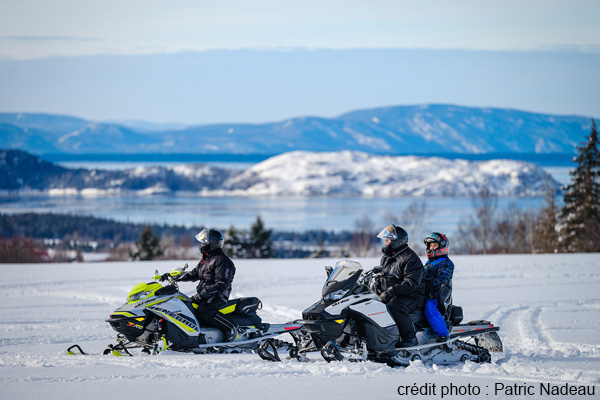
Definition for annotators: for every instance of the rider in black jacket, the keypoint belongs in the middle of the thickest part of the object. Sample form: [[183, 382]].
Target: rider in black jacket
[[403, 287], [215, 274]]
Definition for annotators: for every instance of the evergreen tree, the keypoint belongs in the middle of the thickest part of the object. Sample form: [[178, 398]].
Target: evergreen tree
[[255, 243], [260, 244], [148, 247], [234, 245], [320, 252], [580, 216]]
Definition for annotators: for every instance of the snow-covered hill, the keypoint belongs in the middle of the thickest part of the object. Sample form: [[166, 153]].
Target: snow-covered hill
[[297, 173], [547, 306], [348, 173]]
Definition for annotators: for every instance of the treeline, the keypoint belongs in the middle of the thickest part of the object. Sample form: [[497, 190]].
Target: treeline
[[68, 227], [106, 231], [46, 237]]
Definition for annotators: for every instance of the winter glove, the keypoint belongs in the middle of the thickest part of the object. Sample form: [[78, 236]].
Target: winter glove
[[431, 295], [203, 295], [386, 296], [164, 277], [197, 298], [377, 284]]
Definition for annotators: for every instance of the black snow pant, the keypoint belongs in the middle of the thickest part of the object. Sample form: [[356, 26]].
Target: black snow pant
[[400, 308], [208, 313]]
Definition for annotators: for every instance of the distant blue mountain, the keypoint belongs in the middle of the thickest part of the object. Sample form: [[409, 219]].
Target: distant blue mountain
[[421, 129]]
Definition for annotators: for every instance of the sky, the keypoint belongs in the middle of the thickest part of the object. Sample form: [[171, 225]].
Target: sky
[[40, 37], [43, 28]]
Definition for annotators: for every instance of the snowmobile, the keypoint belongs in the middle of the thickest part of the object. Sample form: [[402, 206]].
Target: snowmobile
[[156, 318], [351, 322]]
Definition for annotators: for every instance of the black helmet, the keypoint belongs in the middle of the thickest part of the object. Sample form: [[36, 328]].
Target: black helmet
[[209, 240], [398, 237]]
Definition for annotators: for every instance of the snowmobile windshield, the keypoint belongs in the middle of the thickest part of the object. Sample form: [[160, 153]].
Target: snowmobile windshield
[[342, 279]]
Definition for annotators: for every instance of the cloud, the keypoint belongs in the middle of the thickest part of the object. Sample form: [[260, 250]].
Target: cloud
[[50, 38]]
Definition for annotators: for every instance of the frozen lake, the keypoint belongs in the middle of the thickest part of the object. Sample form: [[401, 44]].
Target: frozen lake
[[279, 213], [287, 213]]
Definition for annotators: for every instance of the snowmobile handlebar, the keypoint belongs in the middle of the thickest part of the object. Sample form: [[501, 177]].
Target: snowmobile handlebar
[[172, 277], [368, 279]]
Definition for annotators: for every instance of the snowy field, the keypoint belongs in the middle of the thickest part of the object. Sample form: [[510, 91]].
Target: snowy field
[[548, 308]]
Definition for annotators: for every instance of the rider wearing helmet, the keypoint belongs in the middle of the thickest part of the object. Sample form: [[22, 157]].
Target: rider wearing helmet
[[438, 271], [215, 274], [402, 288]]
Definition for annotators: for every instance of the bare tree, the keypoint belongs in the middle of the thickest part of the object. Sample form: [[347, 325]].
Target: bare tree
[[476, 231], [504, 231], [363, 238], [484, 205], [21, 250], [547, 222], [525, 232], [413, 219], [468, 238]]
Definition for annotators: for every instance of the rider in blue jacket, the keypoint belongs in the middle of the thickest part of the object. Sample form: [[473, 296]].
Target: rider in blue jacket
[[438, 271]]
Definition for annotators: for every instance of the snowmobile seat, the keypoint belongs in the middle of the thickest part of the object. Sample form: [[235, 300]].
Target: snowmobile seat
[[444, 299], [241, 306], [456, 315], [453, 315], [242, 311]]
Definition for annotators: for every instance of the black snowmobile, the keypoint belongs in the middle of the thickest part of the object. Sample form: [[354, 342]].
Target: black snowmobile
[[156, 318], [351, 322]]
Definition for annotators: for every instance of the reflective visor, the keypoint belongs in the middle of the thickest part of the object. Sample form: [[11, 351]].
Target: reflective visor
[[202, 237], [388, 233], [433, 237]]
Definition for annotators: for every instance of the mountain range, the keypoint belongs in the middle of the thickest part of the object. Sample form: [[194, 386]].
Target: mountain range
[[418, 129], [298, 173]]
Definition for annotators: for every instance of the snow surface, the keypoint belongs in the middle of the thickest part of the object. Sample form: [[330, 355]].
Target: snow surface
[[548, 308]]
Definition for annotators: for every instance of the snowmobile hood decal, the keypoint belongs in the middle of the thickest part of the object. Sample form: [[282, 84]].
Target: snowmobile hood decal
[[125, 313], [177, 319], [228, 310]]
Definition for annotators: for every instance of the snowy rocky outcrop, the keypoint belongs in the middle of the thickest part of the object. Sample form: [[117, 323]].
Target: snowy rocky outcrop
[[298, 173], [361, 174]]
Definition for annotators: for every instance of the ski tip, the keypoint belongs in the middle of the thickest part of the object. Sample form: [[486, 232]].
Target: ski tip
[[70, 351]]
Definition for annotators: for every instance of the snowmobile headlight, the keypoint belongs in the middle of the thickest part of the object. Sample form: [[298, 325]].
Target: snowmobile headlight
[[139, 295], [335, 296]]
